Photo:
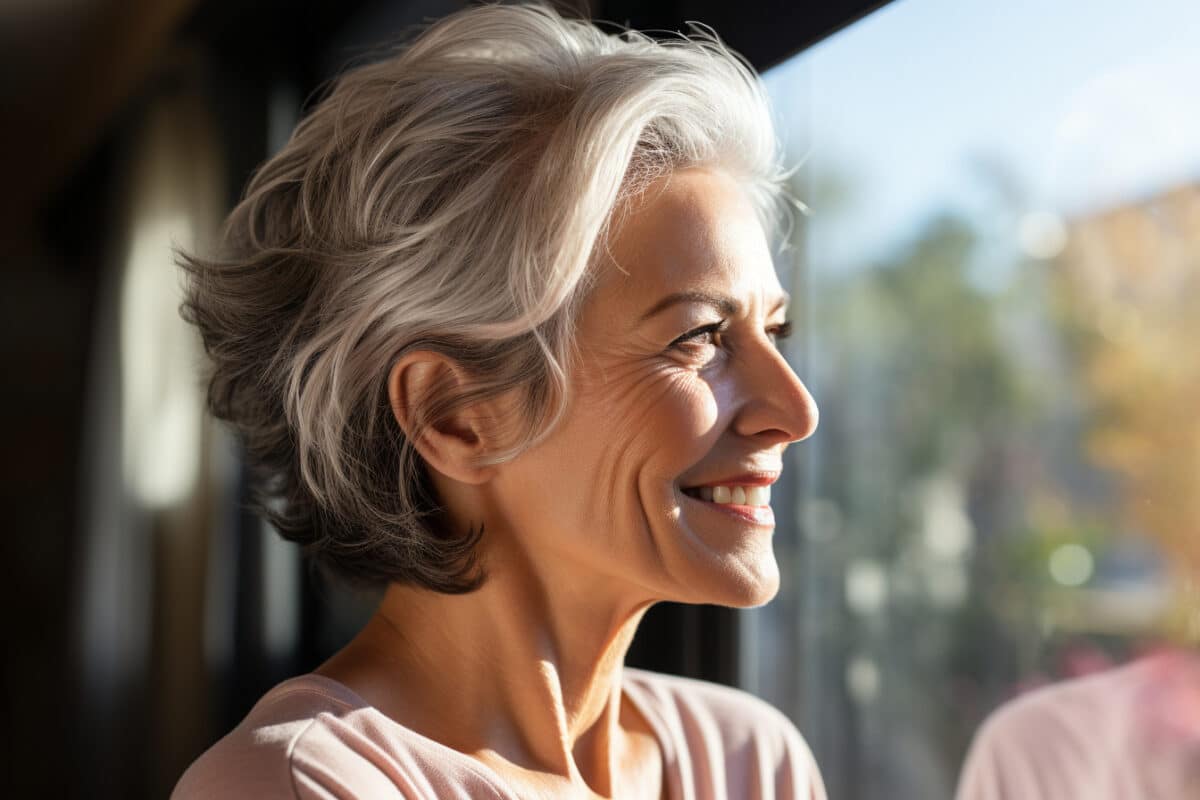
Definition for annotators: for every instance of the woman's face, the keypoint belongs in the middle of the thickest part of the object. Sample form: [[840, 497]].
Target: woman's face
[[680, 386]]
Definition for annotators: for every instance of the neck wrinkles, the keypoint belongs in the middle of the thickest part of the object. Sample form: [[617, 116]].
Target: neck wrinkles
[[525, 671]]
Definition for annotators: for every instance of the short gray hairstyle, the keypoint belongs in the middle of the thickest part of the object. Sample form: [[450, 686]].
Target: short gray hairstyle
[[451, 197]]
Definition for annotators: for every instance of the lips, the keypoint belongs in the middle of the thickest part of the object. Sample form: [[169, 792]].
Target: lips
[[746, 496], [751, 488], [759, 515], [732, 495], [751, 478]]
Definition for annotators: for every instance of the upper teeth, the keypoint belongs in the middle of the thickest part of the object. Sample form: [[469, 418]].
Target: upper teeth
[[736, 495]]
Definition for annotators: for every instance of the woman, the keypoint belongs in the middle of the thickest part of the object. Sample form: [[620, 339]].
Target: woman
[[498, 327]]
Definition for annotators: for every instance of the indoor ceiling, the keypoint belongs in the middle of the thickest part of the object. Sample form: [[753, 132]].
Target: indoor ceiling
[[67, 67]]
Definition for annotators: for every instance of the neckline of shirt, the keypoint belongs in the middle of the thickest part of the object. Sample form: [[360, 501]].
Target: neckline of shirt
[[343, 694]]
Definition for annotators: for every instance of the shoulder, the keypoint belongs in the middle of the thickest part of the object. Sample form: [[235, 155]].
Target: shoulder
[[1058, 738], [736, 714], [312, 737], [1068, 714], [727, 737], [255, 759]]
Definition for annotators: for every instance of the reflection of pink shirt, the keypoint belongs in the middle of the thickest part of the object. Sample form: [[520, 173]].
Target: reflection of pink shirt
[[312, 737], [1131, 733]]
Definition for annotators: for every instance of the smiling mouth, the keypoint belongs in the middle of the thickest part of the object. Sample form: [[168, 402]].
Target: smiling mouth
[[744, 503], [745, 496]]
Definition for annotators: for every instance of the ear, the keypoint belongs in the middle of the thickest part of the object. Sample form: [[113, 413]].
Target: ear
[[452, 444]]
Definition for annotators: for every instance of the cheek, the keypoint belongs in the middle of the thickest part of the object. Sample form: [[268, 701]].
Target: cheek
[[661, 419], [652, 421], [688, 417], [605, 472]]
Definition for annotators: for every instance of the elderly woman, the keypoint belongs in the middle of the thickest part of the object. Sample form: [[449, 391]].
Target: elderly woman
[[499, 328]]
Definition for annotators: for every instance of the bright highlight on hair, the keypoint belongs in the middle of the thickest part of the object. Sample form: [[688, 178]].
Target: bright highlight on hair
[[451, 197]]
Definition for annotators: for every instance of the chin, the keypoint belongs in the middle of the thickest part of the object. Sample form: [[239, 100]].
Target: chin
[[740, 584], [720, 565], [758, 592]]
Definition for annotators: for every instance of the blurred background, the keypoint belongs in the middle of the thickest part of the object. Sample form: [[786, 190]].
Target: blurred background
[[998, 293]]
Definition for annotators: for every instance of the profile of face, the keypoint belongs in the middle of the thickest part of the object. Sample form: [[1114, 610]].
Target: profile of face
[[680, 388]]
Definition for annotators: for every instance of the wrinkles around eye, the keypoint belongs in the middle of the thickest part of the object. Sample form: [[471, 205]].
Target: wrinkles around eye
[[704, 334]]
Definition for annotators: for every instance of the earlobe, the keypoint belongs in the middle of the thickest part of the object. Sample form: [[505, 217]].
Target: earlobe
[[452, 441]]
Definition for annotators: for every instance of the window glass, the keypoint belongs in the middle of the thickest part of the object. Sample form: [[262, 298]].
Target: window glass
[[999, 284]]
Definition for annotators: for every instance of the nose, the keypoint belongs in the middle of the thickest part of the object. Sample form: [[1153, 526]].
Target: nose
[[776, 403]]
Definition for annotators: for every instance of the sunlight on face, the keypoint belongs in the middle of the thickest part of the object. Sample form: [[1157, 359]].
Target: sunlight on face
[[682, 407]]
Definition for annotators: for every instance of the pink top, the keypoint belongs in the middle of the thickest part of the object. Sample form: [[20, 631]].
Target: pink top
[[312, 737], [1131, 733]]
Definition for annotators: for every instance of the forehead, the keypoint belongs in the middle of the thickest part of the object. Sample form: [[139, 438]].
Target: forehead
[[693, 229]]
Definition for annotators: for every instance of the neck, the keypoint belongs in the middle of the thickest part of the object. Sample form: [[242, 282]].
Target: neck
[[527, 669]]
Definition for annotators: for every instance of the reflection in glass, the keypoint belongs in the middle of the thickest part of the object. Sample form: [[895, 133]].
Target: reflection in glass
[[1000, 281], [1132, 732]]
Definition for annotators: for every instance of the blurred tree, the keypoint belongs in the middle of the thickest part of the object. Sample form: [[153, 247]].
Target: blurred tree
[[922, 398], [1129, 291], [960, 378]]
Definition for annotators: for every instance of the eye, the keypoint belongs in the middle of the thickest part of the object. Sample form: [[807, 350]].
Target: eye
[[780, 332], [705, 334]]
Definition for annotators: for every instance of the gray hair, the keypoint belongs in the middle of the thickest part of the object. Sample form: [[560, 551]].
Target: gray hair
[[451, 197]]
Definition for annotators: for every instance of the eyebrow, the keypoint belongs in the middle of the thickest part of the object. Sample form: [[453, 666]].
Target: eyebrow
[[723, 303]]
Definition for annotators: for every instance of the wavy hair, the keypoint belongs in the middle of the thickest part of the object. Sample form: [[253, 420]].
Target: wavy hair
[[450, 197]]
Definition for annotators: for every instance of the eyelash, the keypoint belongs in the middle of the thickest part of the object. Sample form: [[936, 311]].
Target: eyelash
[[781, 331]]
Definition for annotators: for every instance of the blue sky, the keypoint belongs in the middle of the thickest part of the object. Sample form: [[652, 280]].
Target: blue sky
[[1088, 104]]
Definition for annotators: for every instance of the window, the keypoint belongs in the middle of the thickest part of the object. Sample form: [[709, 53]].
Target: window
[[1000, 284]]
